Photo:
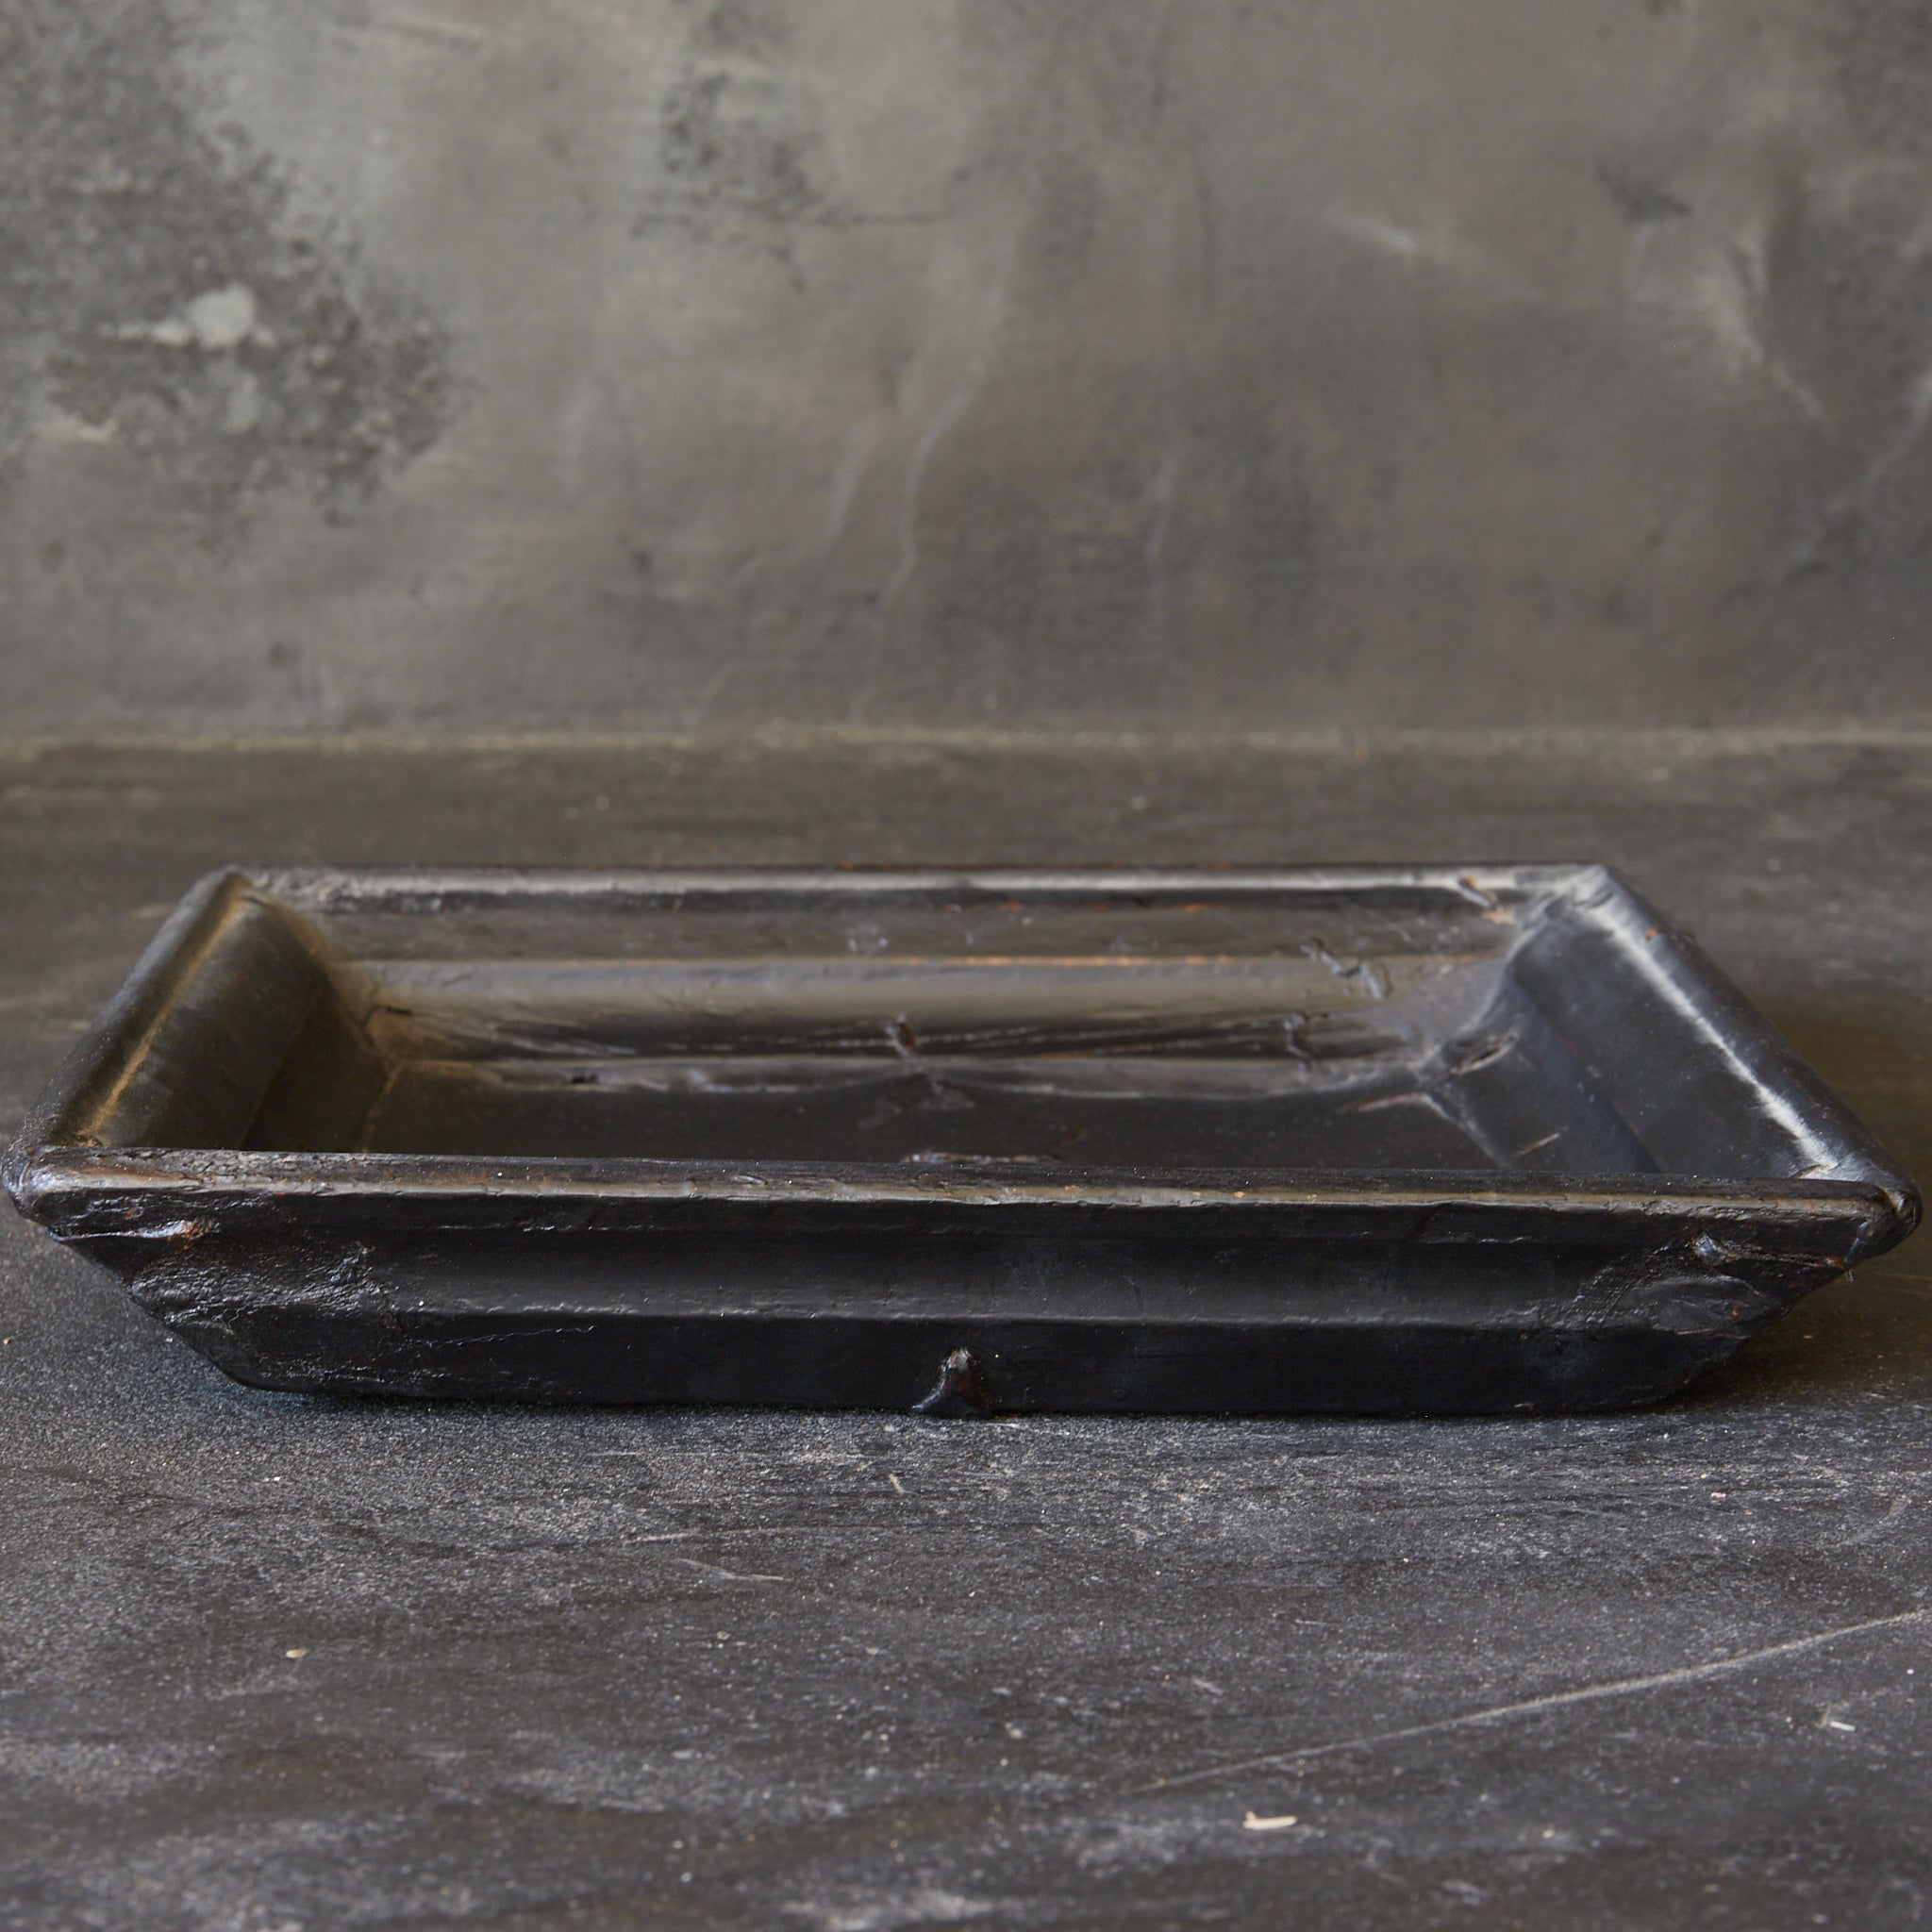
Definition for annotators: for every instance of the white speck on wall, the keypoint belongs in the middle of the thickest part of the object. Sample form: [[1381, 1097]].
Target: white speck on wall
[[1389, 236], [1722, 303], [1723, 299], [56, 426], [213, 321], [1436, 247]]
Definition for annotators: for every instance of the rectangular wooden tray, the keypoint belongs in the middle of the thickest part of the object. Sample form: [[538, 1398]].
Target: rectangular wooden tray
[[1386, 1140]]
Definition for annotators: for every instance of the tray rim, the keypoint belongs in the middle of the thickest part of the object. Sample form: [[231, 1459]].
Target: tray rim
[[54, 1175]]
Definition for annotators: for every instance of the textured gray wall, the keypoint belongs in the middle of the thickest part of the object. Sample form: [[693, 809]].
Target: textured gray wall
[[457, 363]]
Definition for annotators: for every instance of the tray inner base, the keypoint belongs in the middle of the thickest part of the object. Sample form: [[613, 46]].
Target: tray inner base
[[1293, 1054]]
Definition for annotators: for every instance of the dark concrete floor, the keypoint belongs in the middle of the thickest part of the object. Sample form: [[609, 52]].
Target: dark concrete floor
[[269, 1662]]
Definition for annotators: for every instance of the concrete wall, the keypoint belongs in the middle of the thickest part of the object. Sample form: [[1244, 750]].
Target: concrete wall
[[462, 363]]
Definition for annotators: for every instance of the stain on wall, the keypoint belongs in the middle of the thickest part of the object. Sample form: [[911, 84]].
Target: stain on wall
[[157, 296], [455, 363]]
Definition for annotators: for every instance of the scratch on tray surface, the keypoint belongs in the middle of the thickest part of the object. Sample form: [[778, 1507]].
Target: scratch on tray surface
[[1621, 1686]]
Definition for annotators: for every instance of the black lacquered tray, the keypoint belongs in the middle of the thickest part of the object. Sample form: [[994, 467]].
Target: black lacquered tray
[[1371, 1140]]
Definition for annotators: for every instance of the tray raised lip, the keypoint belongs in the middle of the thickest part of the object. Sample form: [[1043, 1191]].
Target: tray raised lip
[[52, 1174], [91, 1194]]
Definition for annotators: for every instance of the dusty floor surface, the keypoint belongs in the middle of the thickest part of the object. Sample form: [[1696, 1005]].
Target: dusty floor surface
[[270, 1663]]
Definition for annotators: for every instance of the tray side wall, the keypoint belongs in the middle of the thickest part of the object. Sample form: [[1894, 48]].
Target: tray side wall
[[843, 1320], [1689, 1064]]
